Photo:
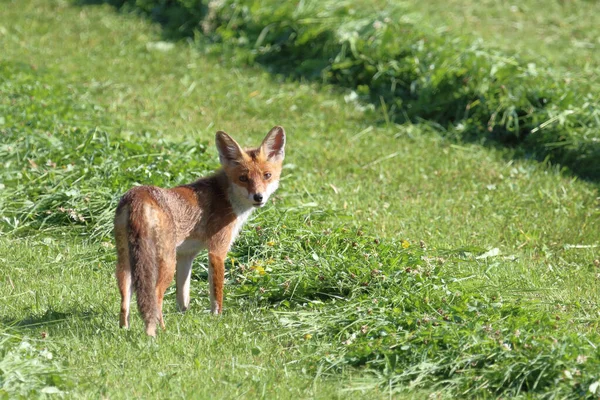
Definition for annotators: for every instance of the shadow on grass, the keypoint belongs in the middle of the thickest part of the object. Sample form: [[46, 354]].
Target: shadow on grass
[[437, 107], [49, 317], [177, 22]]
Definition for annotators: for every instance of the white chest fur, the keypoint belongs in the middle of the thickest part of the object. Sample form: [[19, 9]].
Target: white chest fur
[[190, 246], [241, 219]]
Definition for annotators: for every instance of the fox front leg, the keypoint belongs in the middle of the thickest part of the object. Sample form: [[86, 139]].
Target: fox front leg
[[216, 280]]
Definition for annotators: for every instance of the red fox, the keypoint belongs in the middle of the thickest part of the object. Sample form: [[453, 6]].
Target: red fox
[[158, 232]]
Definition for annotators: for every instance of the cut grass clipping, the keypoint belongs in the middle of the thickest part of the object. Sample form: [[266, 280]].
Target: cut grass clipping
[[27, 369], [390, 306], [413, 73]]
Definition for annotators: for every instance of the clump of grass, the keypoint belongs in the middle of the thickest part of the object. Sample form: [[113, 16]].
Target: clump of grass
[[75, 177], [395, 308], [27, 369]]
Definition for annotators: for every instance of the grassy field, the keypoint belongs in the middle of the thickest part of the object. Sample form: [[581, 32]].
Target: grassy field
[[393, 262]]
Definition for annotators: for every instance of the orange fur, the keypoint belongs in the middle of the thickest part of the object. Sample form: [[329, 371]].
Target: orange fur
[[158, 232]]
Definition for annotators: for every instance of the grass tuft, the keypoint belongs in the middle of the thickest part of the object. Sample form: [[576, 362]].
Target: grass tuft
[[27, 369]]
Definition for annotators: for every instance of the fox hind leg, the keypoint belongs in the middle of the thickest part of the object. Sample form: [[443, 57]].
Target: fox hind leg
[[123, 272], [166, 272], [124, 281]]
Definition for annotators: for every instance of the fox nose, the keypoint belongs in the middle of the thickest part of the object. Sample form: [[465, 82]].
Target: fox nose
[[258, 198]]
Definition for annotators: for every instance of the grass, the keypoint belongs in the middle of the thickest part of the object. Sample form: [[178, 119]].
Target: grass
[[329, 292], [26, 371], [562, 33], [409, 70]]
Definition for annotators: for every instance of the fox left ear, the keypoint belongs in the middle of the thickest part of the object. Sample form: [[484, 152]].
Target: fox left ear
[[273, 146], [229, 151]]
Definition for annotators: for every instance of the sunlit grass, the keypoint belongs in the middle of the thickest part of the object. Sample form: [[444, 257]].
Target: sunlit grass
[[373, 272], [562, 33]]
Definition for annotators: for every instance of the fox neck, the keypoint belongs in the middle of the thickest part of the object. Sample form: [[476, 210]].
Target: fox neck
[[240, 207]]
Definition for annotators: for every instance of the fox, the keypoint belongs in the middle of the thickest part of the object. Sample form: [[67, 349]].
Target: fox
[[158, 232]]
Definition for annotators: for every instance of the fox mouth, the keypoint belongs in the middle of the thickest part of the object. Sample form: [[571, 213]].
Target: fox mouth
[[258, 204]]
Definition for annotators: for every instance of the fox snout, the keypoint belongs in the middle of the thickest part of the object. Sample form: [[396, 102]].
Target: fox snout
[[258, 199]]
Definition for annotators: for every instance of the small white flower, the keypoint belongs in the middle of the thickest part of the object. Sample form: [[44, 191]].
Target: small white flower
[[46, 354]]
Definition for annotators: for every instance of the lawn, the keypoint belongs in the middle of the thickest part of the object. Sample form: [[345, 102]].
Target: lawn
[[394, 261]]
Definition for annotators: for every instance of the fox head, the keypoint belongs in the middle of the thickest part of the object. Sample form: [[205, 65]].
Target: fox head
[[253, 173]]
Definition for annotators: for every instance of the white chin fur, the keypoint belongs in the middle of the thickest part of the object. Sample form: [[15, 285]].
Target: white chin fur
[[238, 196], [266, 194], [271, 188]]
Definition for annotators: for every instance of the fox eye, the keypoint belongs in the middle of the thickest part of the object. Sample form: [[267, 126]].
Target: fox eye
[[243, 178], [267, 175]]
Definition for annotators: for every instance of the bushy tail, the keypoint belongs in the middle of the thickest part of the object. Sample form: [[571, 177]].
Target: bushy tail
[[144, 267]]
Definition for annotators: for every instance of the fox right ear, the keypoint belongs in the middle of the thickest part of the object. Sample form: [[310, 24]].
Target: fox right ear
[[273, 146], [229, 151]]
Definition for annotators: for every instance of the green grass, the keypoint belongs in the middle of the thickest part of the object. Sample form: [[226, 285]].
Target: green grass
[[410, 70], [349, 304], [562, 33]]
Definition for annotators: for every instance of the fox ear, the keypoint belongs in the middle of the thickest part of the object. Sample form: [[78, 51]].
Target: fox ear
[[273, 146], [229, 151]]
